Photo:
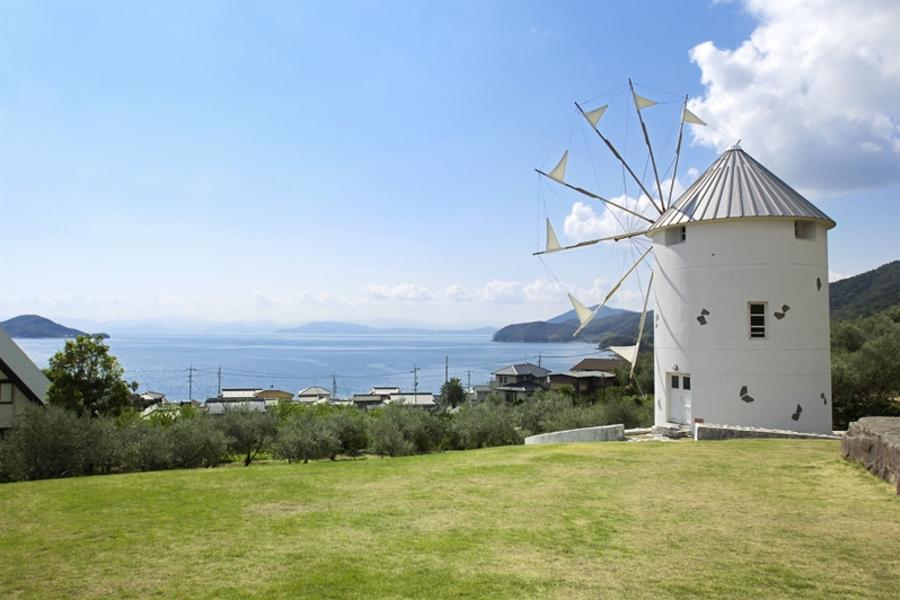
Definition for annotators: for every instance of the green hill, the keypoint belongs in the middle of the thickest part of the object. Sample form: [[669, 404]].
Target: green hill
[[741, 519], [34, 326], [867, 293]]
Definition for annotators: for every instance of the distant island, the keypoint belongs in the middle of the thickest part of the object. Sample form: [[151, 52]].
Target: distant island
[[36, 326], [858, 296], [339, 327], [611, 327]]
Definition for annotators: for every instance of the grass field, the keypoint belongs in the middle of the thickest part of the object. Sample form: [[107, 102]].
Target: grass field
[[738, 519]]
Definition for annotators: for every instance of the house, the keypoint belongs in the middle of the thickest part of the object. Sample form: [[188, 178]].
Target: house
[[21, 382], [145, 400], [518, 382], [314, 395], [368, 401], [418, 399], [393, 396], [248, 399], [609, 364], [479, 393], [273, 396], [219, 405], [583, 382]]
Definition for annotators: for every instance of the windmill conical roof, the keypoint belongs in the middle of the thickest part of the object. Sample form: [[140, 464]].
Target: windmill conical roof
[[737, 186]]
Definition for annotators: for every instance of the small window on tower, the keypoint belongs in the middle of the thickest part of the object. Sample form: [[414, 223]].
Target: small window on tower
[[674, 382], [686, 380], [757, 319], [804, 230], [676, 235]]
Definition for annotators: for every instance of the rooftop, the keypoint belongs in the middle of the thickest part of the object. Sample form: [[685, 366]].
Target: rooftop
[[523, 369], [737, 186]]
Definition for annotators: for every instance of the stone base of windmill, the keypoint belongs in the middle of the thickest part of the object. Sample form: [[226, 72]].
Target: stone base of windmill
[[709, 431], [875, 442]]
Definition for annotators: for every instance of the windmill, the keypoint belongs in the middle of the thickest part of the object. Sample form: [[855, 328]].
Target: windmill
[[738, 262]]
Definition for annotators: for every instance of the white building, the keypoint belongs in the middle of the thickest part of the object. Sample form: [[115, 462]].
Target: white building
[[314, 395], [741, 294], [21, 382]]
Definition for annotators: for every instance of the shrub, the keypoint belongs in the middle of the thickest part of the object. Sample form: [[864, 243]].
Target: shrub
[[144, 446], [48, 442], [630, 411], [305, 438], [483, 425]]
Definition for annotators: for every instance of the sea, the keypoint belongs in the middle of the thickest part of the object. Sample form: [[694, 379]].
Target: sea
[[184, 366]]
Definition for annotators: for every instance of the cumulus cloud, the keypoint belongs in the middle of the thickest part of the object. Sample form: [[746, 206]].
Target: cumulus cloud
[[403, 291], [501, 291], [814, 92], [584, 222]]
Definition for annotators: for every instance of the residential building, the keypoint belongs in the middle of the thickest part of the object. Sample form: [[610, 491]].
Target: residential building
[[21, 382], [314, 395], [518, 382]]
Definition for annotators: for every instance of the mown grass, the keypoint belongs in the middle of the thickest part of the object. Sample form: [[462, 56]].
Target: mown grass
[[739, 519]]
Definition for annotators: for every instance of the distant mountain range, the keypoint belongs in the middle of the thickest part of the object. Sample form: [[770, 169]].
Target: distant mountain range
[[857, 296], [338, 327], [35, 326], [867, 293]]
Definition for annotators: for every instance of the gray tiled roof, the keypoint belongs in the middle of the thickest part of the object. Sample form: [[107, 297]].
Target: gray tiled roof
[[738, 186], [523, 369]]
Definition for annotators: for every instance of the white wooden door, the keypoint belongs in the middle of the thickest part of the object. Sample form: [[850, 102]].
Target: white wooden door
[[679, 397]]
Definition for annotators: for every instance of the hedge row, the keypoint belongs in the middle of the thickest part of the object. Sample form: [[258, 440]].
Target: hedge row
[[51, 442]]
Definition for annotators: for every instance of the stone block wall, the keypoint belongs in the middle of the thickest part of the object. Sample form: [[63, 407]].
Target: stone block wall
[[875, 442]]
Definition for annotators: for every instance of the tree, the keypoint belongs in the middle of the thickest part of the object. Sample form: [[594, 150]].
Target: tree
[[452, 393], [249, 432], [87, 380], [306, 437]]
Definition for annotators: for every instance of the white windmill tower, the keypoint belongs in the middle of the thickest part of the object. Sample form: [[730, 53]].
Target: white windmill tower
[[740, 266]]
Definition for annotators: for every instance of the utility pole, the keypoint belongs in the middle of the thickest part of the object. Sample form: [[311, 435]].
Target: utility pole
[[446, 368], [333, 387], [415, 373], [469, 379], [539, 359], [220, 380], [191, 370]]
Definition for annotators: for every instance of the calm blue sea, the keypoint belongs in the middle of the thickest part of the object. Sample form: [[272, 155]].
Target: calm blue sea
[[160, 362]]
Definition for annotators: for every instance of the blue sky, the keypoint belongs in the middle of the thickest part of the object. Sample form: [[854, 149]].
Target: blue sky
[[372, 161]]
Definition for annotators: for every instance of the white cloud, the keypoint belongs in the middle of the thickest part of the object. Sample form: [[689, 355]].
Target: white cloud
[[583, 222], [403, 291], [501, 291], [458, 293], [814, 92]]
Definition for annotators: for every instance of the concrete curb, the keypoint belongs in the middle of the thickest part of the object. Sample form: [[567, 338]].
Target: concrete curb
[[604, 433]]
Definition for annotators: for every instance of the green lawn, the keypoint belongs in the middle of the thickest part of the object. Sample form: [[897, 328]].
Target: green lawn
[[739, 519]]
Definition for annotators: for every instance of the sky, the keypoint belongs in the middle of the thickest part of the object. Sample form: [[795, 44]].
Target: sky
[[373, 161]]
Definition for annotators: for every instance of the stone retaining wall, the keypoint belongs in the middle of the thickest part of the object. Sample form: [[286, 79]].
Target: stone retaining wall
[[875, 442], [605, 433], [707, 431]]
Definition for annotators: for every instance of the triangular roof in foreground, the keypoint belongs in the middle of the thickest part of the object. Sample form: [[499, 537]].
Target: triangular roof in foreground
[[16, 365], [737, 186]]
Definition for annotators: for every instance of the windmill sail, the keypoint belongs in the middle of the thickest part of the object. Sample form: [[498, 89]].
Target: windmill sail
[[552, 242], [594, 116], [629, 353], [641, 102], [590, 314], [689, 117], [614, 238], [637, 346], [583, 313], [559, 171]]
